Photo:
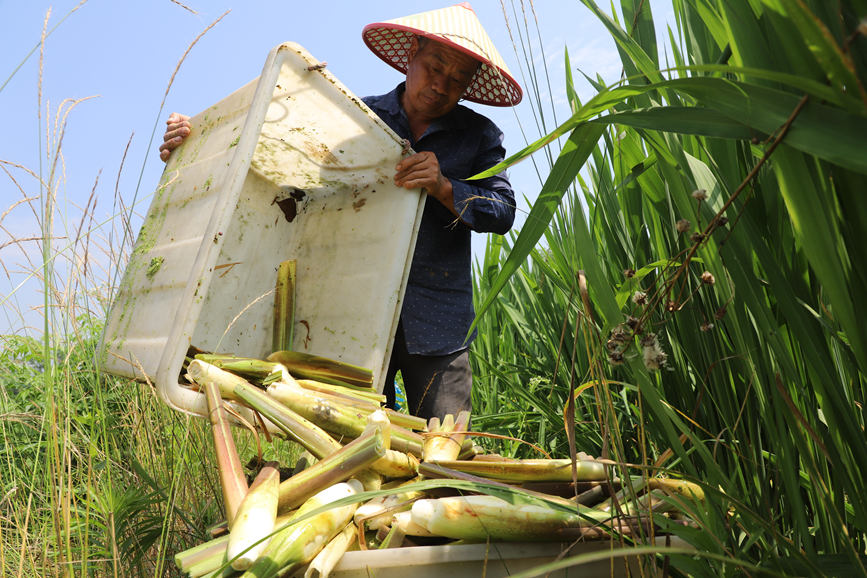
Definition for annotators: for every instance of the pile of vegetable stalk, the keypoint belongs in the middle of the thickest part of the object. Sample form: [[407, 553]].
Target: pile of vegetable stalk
[[378, 478]]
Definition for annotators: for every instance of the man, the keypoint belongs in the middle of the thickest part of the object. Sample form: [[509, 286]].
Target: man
[[446, 56]]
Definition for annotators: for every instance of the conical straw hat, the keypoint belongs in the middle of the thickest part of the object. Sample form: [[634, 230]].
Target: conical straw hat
[[458, 27]]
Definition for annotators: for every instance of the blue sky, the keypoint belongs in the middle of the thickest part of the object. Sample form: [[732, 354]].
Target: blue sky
[[122, 53]]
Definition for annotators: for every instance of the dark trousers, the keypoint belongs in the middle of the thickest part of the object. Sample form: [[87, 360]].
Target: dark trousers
[[435, 385]]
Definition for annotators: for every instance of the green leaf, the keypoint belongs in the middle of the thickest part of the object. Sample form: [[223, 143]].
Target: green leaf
[[581, 143], [837, 65], [824, 131], [682, 119]]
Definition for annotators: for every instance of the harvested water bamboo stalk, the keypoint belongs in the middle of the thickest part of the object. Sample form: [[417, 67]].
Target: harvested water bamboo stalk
[[483, 517], [378, 512], [337, 418], [232, 480], [679, 487], [361, 393], [367, 404], [434, 471], [341, 465], [256, 519], [380, 419], [306, 366], [308, 434], [205, 551], [446, 445], [329, 414], [558, 470], [284, 307], [325, 561], [299, 542], [406, 441], [410, 527], [255, 370], [395, 464]]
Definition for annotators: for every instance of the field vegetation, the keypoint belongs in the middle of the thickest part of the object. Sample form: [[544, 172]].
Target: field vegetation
[[687, 297]]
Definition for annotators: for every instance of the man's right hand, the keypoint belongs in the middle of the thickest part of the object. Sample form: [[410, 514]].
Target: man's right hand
[[178, 127]]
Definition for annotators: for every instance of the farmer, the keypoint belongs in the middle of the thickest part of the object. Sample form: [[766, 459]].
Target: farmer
[[446, 56]]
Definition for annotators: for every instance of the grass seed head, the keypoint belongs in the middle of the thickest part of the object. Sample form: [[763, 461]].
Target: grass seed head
[[620, 334], [652, 354], [682, 226], [649, 340], [699, 194]]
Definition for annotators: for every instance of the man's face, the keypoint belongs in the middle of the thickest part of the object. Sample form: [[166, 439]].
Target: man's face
[[436, 78]]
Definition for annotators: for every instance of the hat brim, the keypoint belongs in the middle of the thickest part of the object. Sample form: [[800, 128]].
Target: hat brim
[[490, 85]]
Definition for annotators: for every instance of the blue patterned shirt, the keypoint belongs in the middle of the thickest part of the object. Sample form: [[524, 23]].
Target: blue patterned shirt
[[438, 304]]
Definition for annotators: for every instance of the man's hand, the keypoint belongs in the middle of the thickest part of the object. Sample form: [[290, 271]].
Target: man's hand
[[422, 170], [178, 127]]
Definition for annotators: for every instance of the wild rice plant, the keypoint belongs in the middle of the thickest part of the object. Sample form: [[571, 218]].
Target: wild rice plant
[[718, 212]]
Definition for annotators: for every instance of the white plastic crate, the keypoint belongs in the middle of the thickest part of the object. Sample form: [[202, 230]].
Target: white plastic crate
[[291, 166], [494, 560]]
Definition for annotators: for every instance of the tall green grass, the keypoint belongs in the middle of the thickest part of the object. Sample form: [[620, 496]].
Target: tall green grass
[[97, 476], [755, 136]]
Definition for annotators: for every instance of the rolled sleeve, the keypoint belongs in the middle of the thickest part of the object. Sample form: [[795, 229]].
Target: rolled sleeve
[[484, 210]]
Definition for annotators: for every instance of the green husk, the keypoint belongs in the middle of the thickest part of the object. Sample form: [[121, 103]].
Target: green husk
[[307, 366], [678, 487], [284, 307], [339, 394], [215, 567]]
